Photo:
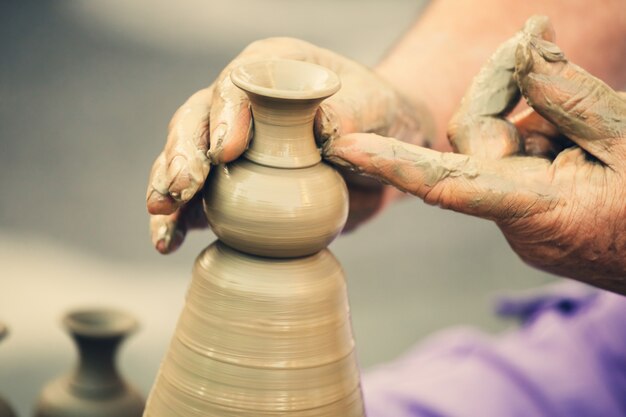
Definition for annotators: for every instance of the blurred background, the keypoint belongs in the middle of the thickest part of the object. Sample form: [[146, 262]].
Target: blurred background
[[86, 91]]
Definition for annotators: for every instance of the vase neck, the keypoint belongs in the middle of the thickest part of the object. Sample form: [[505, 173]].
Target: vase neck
[[96, 372], [283, 132]]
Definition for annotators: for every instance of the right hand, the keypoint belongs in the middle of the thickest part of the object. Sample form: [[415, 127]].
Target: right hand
[[553, 179], [215, 125]]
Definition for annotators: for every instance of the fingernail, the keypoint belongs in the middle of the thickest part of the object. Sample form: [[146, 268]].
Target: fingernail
[[523, 61], [342, 163], [186, 195], [326, 125], [547, 50], [161, 246], [168, 238], [163, 235]]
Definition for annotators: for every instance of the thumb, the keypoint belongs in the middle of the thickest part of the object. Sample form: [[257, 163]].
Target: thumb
[[493, 189]]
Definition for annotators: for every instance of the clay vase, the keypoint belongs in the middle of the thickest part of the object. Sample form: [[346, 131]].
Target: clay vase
[[94, 388], [266, 326], [5, 409], [279, 200]]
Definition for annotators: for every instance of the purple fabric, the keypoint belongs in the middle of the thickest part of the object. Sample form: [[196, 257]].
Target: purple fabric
[[568, 359]]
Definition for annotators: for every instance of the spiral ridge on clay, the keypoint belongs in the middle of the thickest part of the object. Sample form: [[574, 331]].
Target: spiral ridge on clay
[[260, 336]]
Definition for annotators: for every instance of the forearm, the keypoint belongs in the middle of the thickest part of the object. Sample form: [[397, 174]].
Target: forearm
[[436, 60]]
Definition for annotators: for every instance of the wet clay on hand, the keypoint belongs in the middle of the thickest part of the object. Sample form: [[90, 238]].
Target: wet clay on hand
[[492, 94], [561, 212]]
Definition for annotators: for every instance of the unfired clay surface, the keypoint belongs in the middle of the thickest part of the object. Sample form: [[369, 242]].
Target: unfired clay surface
[[276, 212], [279, 201], [261, 337], [268, 335], [94, 388]]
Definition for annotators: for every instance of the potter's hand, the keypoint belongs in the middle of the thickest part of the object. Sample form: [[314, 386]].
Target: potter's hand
[[214, 127], [563, 213]]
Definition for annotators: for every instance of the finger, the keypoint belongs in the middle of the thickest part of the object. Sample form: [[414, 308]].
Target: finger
[[231, 121], [158, 198], [180, 170], [166, 233], [186, 148], [478, 127], [584, 109], [169, 231], [492, 189]]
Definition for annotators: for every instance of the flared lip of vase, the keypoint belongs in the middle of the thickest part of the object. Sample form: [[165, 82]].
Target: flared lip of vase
[[286, 79], [99, 322]]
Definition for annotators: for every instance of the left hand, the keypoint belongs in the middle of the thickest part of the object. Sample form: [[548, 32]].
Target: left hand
[[554, 181]]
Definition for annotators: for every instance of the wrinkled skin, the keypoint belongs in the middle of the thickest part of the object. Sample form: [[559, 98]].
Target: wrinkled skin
[[553, 178], [214, 127]]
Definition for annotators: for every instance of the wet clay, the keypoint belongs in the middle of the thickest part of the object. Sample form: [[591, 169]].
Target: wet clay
[[276, 212], [485, 186], [261, 337], [478, 128], [279, 200], [5, 409], [266, 328]]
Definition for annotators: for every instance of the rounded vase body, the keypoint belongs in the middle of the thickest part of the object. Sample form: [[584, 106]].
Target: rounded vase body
[[276, 212], [94, 388]]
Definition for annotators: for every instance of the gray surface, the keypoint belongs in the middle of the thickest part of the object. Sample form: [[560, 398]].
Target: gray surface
[[86, 91]]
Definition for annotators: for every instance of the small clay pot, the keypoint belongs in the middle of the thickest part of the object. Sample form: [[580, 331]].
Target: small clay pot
[[279, 200], [5, 409], [94, 388]]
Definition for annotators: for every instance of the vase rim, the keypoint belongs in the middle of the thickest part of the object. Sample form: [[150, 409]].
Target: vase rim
[[286, 79], [99, 322]]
